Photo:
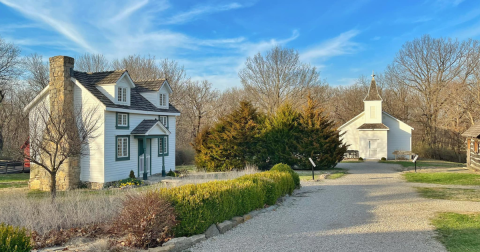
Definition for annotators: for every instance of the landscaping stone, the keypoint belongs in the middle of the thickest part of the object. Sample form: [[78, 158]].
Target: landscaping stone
[[197, 238], [212, 231], [254, 213], [224, 226], [179, 243], [237, 220], [162, 248], [247, 217]]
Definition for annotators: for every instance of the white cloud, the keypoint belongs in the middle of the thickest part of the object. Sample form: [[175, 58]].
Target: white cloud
[[129, 10], [195, 13], [33, 10], [339, 45]]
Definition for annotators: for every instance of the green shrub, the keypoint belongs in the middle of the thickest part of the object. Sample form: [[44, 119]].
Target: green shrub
[[201, 205], [14, 239], [286, 168], [171, 173], [383, 159], [360, 159], [132, 174]]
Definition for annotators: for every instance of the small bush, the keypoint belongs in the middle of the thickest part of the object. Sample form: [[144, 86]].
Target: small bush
[[200, 205], [147, 219], [14, 239], [171, 173], [360, 159], [286, 168], [383, 159], [184, 156], [131, 175]]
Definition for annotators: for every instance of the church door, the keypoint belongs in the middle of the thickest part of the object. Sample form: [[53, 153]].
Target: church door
[[372, 148]]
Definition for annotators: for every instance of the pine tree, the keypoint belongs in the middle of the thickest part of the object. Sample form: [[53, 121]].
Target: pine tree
[[277, 144], [230, 143], [318, 138]]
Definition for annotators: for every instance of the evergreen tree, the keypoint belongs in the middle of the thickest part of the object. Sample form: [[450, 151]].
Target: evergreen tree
[[278, 139], [318, 138], [231, 143]]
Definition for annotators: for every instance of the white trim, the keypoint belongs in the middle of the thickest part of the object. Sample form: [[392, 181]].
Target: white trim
[[351, 120], [374, 129], [396, 119], [132, 84], [168, 85], [140, 111], [36, 99], [159, 124]]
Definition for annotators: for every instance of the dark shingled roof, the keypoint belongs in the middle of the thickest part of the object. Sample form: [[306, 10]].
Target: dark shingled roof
[[137, 101], [373, 126], [149, 85], [373, 92], [144, 126], [473, 131]]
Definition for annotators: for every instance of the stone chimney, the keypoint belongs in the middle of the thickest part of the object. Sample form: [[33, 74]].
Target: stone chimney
[[61, 105], [61, 87]]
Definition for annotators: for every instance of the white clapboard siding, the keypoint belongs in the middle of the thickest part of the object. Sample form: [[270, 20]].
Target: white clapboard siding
[[92, 162], [399, 136], [116, 170], [352, 136]]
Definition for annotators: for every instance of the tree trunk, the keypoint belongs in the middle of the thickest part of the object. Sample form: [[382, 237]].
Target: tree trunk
[[53, 186]]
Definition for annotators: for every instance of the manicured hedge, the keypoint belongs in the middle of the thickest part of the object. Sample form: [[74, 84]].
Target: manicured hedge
[[14, 239], [199, 206], [286, 168]]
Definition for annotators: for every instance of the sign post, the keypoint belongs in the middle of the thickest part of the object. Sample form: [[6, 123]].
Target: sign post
[[415, 161], [313, 165]]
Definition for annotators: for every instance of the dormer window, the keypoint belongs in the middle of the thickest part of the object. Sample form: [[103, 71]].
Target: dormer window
[[122, 94], [163, 100]]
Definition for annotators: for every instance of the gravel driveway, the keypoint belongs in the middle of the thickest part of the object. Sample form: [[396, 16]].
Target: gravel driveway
[[371, 209]]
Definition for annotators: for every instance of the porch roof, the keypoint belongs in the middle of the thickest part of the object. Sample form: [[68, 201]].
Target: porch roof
[[150, 127], [373, 126], [473, 131]]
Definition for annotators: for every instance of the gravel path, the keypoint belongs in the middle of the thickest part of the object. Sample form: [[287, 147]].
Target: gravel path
[[372, 209]]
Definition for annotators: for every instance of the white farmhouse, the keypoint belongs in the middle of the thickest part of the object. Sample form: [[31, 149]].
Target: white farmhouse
[[137, 129], [375, 133]]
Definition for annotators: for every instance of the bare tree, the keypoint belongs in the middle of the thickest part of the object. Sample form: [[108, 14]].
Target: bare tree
[[199, 104], [278, 76], [428, 66], [37, 72], [9, 62], [176, 77], [139, 68], [92, 63], [57, 134]]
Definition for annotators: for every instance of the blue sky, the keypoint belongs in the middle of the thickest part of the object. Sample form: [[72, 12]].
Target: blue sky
[[212, 39]]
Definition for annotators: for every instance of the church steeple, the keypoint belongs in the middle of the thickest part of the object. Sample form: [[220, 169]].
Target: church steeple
[[372, 94]]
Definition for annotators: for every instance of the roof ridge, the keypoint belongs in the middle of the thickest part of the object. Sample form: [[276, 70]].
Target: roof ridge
[[149, 79]]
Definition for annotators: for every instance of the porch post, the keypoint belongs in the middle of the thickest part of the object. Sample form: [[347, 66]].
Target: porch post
[[163, 156], [145, 158]]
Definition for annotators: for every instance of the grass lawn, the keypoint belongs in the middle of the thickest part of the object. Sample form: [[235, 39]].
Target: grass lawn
[[334, 173], [16, 180], [450, 193], [444, 178], [426, 163], [189, 168], [458, 232]]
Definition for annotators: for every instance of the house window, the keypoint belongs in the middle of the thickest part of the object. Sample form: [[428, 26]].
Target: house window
[[163, 120], [122, 121], [123, 148], [122, 94], [372, 112], [163, 100], [163, 146]]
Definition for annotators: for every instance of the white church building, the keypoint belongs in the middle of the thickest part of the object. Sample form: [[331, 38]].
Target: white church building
[[375, 133]]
